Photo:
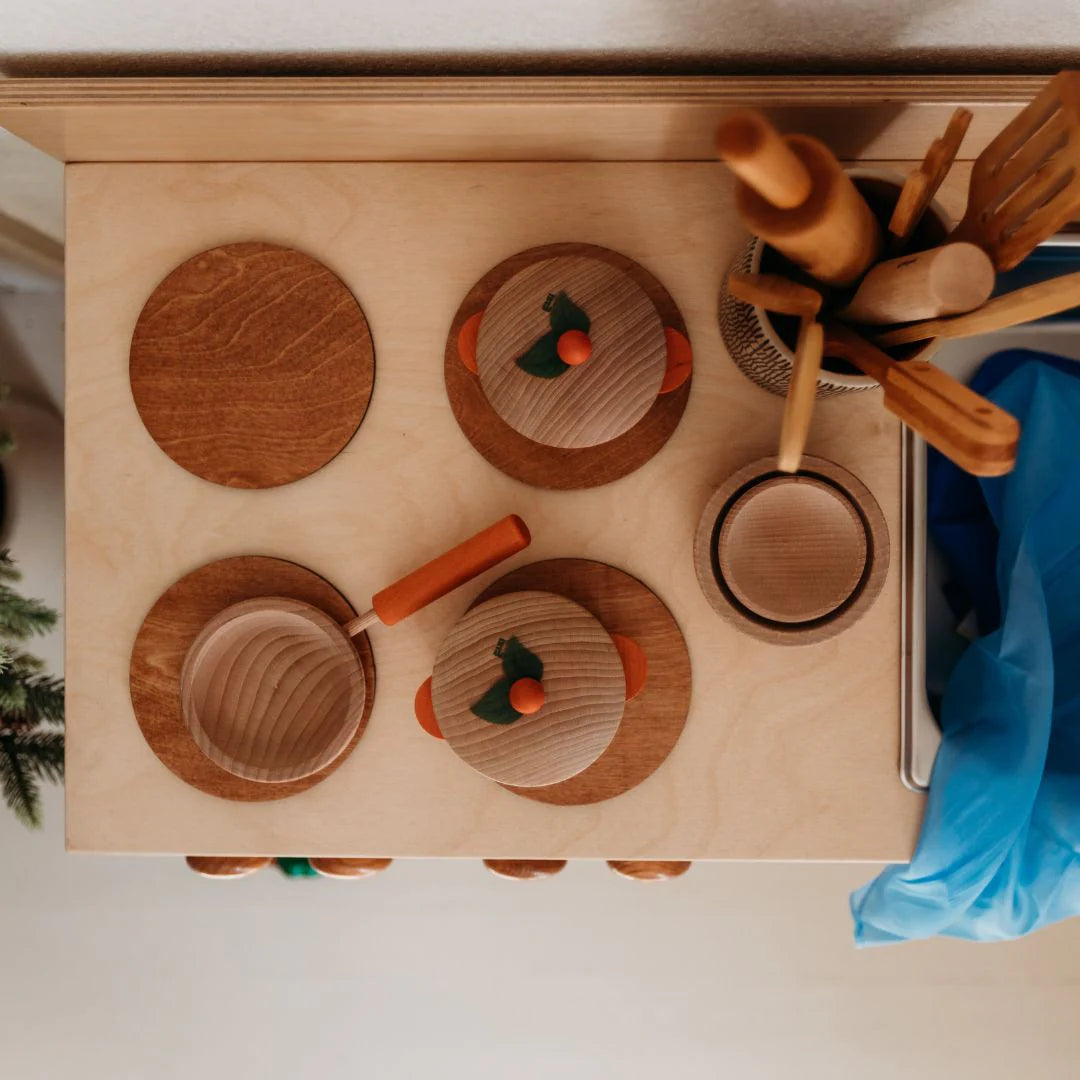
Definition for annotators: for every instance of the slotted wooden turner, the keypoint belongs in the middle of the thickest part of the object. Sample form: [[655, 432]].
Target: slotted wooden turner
[[1026, 184]]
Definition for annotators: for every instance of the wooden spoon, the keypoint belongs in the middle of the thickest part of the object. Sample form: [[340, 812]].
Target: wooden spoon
[[969, 430], [272, 688], [775, 293], [802, 390]]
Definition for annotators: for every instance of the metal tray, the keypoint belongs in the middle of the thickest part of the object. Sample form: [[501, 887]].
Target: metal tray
[[930, 643]]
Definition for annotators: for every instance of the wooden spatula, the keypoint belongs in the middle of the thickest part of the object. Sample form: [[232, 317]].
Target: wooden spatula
[[922, 185], [969, 430], [775, 293], [802, 389], [1020, 306], [1026, 184]]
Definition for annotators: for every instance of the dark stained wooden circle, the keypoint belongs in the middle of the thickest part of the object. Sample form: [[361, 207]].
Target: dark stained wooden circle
[[167, 632], [653, 721], [251, 365], [550, 466]]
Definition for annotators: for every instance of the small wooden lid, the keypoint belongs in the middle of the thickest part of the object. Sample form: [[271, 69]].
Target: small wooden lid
[[272, 689], [590, 402], [582, 677], [792, 549]]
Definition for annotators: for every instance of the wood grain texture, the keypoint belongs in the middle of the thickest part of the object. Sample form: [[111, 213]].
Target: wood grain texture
[[251, 365], [840, 617], [791, 549], [584, 689], [227, 866], [349, 868], [168, 631], [638, 870], [532, 462], [590, 403], [1026, 184], [757, 154], [944, 280], [272, 689], [833, 235], [410, 470], [537, 118], [653, 721], [525, 869]]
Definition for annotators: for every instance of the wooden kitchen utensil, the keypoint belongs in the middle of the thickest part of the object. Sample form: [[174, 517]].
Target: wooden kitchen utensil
[[830, 232], [1019, 306], [775, 293], [528, 688], [944, 280], [272, 688], [799, 404], [922, 184], [976, 434], [1026, 184]]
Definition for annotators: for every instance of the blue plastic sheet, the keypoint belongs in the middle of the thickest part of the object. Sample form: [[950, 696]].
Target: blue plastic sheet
[[999, 851]]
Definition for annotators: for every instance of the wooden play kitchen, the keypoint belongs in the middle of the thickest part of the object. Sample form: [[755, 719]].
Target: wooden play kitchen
[[318, 330]]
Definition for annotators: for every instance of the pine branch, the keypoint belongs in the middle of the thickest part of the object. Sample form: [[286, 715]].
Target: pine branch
[[20, 789], [20, 617], [40, 753], [44, 700], [8, 570]]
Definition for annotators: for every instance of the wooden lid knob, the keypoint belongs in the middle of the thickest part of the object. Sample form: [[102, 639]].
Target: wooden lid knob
[[574, 347], [527, 696], [638, 870], [227, 866], [524, 869]]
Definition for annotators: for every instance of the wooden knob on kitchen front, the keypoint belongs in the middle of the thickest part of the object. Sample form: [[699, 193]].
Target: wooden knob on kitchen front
[[648, 871], [349, 868], [525, 869], [227, 866]]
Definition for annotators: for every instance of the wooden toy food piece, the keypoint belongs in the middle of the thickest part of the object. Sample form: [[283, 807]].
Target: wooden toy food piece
[[541, 637], [967, 428], [1026, 184], [571, 352], [272, 688], [227, 866], [944, 280], [349, 868], [638, 870], [800, 201], [525, 869], [236, 352]]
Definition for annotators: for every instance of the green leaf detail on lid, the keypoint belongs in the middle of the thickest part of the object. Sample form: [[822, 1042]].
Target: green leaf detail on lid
[[495, 707], [517, 663], [542, 358]]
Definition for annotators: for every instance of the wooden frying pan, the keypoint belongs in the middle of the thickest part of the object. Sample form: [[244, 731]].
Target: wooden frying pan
[[272, 688]]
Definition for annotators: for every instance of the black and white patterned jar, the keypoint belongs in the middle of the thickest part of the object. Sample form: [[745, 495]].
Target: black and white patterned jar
[[751, 337]]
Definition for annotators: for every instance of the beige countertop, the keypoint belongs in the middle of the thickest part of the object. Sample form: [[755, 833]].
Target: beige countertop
[[788, 753]]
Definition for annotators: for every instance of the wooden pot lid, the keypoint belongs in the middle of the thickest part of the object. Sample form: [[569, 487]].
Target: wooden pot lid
[[579, 670], [166, 635], [594, 316], [272, 689], [251, 365], [792, 549], [792, 558]]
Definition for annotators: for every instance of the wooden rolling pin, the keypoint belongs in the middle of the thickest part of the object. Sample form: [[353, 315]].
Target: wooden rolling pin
[[1019, 306], [945, 280], [792, 192], [969, 430]]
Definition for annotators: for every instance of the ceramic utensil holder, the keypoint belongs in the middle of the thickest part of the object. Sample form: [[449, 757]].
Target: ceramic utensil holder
[[761, 343]]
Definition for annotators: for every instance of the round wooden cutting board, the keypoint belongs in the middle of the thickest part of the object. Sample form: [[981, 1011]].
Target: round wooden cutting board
[[251, 365]]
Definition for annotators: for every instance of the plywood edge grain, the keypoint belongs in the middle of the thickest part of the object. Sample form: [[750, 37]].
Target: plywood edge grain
[[498, 118]]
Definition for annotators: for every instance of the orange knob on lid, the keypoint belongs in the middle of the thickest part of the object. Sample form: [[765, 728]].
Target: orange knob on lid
[[527, 696], [574, 347]]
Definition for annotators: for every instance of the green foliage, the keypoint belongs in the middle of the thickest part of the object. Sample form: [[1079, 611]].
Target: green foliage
[[542, 357], [31, 703], [517, 663]]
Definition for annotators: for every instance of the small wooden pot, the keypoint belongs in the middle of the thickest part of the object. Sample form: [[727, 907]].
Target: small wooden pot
[[761, 343], [792, 559]]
